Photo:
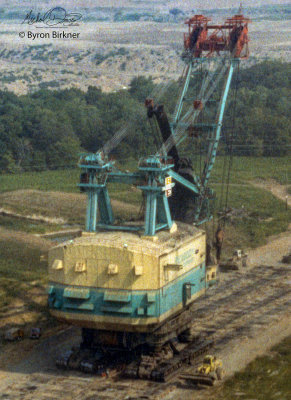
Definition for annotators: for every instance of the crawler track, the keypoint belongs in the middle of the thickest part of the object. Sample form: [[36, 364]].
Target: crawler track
[[241, 307]]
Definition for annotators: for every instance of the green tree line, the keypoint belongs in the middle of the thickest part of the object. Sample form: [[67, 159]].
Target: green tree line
[[49, 129]]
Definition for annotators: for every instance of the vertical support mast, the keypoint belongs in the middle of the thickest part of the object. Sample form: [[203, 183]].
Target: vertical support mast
[[212, 151], [217, 133], [179, 106]]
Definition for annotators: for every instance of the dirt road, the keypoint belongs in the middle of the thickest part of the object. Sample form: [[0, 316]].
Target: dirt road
[[272, 252], [248, 322], [279, 245], [246, 313], [275, 188]]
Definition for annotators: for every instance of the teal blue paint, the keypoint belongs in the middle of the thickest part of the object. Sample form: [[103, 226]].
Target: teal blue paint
[[151, 298], [134, 304], [151, 170], [81, 306], [164, 214], [157, 215], [98, 199], [73, 293], [213, 149], [140, 311], [184, 181], [179, 106], [212, 152], [120, 228], [105, 210], [117, 297], [161, 226], [151, 213], [116, 310], [88, 212]]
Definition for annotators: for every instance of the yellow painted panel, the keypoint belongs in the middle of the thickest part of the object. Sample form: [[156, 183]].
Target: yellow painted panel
[[120, 257], [150, 276], [186, 256], [56, 275], [149, 258]]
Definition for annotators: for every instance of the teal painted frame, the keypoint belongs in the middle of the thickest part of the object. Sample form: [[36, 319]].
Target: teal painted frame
[[154, 303], [153, 171]]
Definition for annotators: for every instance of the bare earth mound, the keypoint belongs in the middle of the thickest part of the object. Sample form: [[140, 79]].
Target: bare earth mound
[[30, 240], [58, 207]]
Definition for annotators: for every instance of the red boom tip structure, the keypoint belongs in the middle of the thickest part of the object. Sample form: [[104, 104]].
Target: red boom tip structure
[[231, 37]]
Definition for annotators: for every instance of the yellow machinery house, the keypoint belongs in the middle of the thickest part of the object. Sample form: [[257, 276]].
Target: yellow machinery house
[[125, 282]]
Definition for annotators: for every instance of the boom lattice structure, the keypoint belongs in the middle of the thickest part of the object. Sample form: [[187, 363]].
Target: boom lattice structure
[[212, 53]]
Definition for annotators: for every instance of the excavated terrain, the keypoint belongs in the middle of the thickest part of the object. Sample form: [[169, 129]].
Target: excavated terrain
[[246, 313]]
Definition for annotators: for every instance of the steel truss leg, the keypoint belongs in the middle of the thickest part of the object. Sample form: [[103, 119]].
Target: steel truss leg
[[98, 200], [157, 212]]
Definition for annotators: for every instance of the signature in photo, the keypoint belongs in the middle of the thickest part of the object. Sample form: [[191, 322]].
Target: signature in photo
[[53, 17]]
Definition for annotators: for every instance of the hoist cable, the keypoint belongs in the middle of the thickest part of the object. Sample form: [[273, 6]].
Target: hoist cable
[[191, 115], [127, 129]]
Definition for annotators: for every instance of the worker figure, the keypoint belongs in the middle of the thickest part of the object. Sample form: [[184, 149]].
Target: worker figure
[[210, 258], [219, 235]]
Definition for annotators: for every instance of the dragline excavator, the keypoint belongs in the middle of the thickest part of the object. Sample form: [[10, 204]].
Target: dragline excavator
[[131, 286]]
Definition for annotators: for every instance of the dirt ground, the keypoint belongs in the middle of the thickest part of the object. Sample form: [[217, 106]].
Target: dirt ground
[[249, 312], [244, 348], [246, 314], [279, 245], [275, 188], [53, 207], [63, 208], [272, 252], [32, 241]]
